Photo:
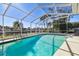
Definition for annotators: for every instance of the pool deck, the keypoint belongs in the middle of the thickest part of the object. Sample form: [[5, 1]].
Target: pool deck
[[70, 47]]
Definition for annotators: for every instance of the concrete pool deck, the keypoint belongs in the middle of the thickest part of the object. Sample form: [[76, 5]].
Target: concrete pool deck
[[70, 47]]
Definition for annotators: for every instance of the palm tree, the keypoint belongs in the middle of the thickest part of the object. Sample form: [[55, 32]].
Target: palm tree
[[44, 19], [50, 24], [16, 25], [55, 25]]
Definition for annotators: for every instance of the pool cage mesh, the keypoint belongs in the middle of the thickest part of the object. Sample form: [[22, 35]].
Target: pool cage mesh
[[40, 26]]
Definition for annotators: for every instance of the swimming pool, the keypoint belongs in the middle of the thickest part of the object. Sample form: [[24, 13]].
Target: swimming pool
[[37, 45]]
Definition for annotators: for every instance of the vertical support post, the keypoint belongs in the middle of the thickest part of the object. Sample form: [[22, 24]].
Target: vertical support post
[[21, 28], [3, 51], [53, 26], [36, 29], [3, 28], [44, 25], [42, 28], [39, 29], [67, 24], [47, 25], [30, 27]]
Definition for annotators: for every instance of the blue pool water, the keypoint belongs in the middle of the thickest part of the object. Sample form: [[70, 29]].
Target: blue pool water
[[38, 45]]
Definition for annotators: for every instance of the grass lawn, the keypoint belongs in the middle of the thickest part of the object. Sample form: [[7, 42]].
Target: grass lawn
[[9, 36]]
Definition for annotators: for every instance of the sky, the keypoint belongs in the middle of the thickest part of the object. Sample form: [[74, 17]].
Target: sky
[[26, 8]]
